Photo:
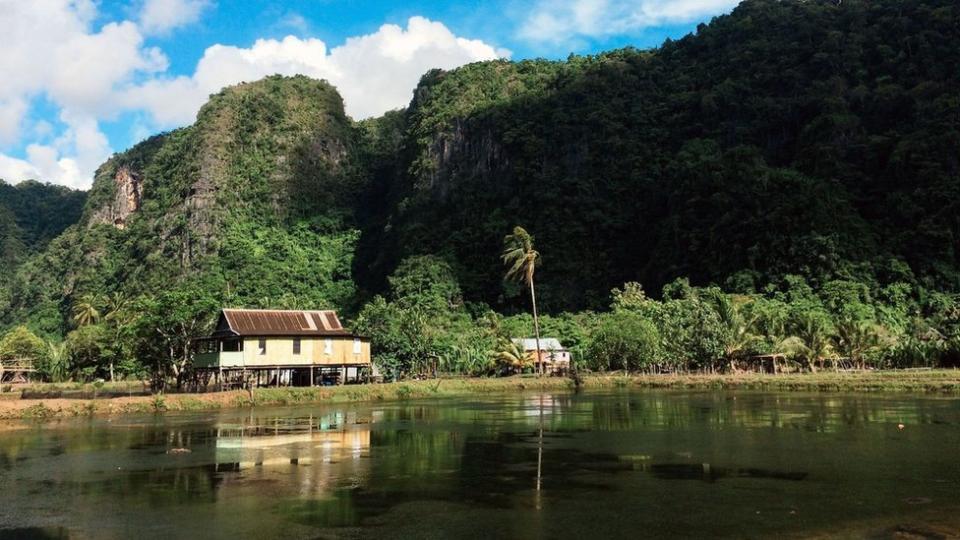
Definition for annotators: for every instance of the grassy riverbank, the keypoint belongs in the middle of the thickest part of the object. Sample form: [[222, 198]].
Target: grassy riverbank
[[931, 381]]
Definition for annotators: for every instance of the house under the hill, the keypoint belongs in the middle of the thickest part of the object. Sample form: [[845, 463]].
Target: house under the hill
[[265, 347], [553, 356]]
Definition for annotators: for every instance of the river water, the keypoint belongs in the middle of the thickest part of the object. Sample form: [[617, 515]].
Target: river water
[[590, 465]]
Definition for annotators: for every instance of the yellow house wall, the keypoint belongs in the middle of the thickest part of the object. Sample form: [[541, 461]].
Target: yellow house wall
[[312, 351], [341, 352]]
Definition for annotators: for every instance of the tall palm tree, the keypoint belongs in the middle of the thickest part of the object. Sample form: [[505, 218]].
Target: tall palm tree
[[85, 311], [521, 258]]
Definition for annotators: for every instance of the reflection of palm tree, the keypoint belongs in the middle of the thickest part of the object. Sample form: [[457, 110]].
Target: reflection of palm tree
[[518, 252], [540, 454]]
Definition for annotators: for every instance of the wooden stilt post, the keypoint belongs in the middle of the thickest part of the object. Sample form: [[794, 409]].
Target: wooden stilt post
[[311, 376]]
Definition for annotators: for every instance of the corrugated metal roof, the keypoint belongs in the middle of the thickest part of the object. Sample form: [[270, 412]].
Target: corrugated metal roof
[[275, 322], [546, 344]]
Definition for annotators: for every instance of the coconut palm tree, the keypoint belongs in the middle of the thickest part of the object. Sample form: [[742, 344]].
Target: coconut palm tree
[[856, 338], [511, 356], [116, 308], [521, 258], [739, 328], [811, 339], [85, 311]]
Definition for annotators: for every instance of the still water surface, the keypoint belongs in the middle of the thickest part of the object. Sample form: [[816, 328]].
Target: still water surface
[[617, 464]]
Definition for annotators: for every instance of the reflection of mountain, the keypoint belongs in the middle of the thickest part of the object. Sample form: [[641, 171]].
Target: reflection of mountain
[[291, 442]]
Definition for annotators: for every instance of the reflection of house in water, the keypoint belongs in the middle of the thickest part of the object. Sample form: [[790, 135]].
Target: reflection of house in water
[[541, 404], [279, 442]]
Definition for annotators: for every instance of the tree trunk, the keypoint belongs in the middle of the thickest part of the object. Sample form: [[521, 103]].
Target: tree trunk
[[536, 327]]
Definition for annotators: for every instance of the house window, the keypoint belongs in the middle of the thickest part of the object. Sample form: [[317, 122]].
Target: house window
[[262, 346], [328, 346], [232, 345], [356, 345], [296, 345]]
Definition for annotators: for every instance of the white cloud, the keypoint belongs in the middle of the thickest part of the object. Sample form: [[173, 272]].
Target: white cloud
[[43, 163], [92, 74], [561, 21], [374, 73], [293, 21], [12, 111], [70, 160], [162, 16], [54, 52]]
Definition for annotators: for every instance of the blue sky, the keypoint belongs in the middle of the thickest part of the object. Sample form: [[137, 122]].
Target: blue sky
[[86, 78]]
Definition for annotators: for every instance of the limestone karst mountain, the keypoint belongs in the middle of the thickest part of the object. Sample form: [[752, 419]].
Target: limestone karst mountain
[[789, 137]]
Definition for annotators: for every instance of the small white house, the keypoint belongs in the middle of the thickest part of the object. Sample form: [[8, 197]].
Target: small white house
[[552, 355]]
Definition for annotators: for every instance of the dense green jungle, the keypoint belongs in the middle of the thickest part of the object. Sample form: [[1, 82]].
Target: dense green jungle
[[784, 180]]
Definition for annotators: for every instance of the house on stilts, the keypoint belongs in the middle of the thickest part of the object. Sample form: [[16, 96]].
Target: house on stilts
[[262, 347]]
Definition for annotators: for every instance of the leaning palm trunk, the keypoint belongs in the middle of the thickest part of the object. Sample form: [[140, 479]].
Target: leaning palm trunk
[[522, 258], [536, 328]]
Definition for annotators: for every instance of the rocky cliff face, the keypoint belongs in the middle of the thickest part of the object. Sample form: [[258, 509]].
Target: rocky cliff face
[[127, 198], [269, 173], [260, 151], [465, 150]]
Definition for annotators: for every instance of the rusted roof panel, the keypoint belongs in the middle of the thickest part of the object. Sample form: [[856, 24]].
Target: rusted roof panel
[[272, 322]]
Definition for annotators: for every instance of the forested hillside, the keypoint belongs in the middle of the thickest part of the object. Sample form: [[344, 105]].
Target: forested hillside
[[252, 205], [818, 138], [32, 214], [805, 152]]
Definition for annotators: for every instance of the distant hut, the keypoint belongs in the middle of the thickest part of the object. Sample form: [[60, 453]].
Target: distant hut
[[767, 363], [554, 357], [17, 370], [281, 347]]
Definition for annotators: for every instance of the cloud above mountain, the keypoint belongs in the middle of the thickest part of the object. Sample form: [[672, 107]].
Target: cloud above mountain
[[162, 16], [374, 73], [89, 73], [564, 21]]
